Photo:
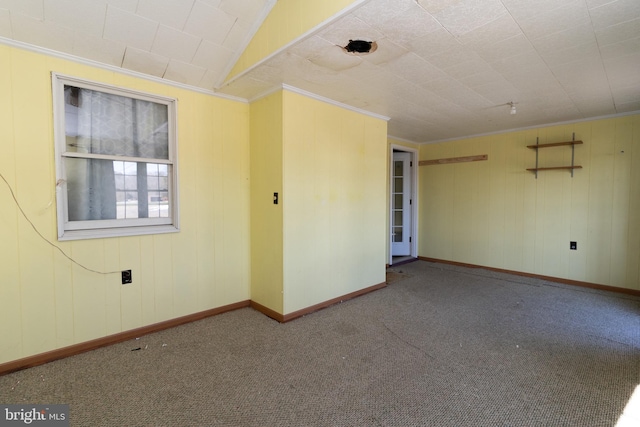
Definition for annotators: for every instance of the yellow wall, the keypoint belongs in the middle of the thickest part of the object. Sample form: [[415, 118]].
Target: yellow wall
[[287, 20], [495, 213], [333, 200], [48, 303], [266, 218]]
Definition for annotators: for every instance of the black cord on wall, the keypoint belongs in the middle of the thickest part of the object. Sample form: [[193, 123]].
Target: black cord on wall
[[15, 200]]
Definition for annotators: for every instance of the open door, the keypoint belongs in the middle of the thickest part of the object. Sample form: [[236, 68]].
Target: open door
[[401, 204]]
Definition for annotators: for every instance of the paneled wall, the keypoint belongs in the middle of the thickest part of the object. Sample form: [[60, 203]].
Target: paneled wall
[[334, 201], [266, 217], [47, 302], [495, 213]]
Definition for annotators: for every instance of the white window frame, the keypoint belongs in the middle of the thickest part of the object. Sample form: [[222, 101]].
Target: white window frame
[[76, 230]]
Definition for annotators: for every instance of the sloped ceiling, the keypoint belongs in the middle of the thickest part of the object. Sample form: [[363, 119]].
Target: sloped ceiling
[[443, 68]]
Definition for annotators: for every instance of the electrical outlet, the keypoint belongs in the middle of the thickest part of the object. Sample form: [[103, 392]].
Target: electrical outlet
[[126, 277], [573, 246]]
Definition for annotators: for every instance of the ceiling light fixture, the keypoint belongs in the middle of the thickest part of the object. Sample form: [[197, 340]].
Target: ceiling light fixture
[[513, 107], [360, 47]]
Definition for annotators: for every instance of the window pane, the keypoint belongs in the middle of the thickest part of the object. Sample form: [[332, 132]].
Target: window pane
[[103, 123], [397, 201], [397, 168], [397, 218], [397, 185], [106, 189]]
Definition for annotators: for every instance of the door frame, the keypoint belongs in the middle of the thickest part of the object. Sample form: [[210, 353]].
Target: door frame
[[414, 199]]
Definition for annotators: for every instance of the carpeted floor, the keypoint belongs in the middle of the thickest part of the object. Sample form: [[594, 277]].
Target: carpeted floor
[[440, 346]]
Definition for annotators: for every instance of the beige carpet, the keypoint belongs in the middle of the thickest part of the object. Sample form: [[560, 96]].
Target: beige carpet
[[440, 346]]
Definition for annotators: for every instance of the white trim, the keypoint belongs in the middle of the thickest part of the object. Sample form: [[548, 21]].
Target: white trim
[[414, 197], [266, 93], [356, 4], [75, 230], [120, 70], [252, 32], [402, 140], [332, 102], [103, 233], [567, 122]]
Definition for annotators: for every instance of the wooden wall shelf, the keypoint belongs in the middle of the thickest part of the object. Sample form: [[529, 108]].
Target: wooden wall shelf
[[557, 167], [571, 167], [553, 144]]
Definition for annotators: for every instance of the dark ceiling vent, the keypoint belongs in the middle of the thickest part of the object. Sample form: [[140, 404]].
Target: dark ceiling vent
[[360, 47]]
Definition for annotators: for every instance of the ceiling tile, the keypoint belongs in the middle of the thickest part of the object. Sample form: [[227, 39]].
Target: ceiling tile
[[627, 94], [209, 23], [573, 54], [247, 88], [481, 78], [576, 36], [457, 93], [350, 28], [387, 51], [128, 5], [449, 59], [376, 12], [86, 16], [237, 36], [498, 92], [468, 68], [614, 13], [98, 49], [592, 4], [571, 14], [627, 47], [436, 6], [175, 44], [618, 33], [310, 47], [41, 33], [628, 107], [467, 15], [145, 62], [436, 42], [32, 8], [526, 8], [503, 28], [244, 10], [212, 56], [172, 13], [623, 70], [212, 3], [513, 46], [335, 58], [369, 74], [413, 68], [130, 29], [416, 18], [577, 76], [182, 72]]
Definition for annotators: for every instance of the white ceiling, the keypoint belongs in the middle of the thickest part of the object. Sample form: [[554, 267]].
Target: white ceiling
[[443, 68]]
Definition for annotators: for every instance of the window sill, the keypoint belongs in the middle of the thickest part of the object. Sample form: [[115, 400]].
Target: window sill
[[104, 233]]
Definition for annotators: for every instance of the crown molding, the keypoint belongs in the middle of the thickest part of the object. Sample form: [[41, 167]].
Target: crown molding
[[332, 102], [566, 122]]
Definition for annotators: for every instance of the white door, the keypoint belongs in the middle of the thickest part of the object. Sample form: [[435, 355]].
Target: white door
[[401, 204]]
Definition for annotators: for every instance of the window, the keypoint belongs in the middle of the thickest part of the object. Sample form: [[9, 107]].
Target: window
[[115, 161]]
